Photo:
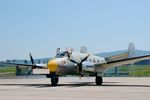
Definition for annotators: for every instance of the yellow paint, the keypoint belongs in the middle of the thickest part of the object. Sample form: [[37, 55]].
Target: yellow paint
[[52, 65]]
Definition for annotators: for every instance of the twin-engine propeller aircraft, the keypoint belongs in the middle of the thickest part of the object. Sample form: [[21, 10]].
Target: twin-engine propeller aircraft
[[83, 63]]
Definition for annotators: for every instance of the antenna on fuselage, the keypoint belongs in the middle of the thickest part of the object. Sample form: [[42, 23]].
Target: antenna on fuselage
[[83, 49]]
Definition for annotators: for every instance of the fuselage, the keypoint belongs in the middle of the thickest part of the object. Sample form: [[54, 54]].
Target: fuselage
[[61, 63]]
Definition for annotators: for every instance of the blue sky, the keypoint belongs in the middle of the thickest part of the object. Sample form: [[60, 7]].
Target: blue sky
[[40, 26]]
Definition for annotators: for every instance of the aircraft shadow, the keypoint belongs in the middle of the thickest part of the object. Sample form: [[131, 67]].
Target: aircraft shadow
[[78, 84]]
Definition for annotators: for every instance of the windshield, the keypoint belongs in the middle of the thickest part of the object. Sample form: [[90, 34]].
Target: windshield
[[62, 54]]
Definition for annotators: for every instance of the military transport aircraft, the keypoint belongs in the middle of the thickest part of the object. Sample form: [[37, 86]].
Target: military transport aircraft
[[81, 62]]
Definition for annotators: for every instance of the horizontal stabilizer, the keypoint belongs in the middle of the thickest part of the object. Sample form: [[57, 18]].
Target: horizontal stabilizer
[[117, 57]]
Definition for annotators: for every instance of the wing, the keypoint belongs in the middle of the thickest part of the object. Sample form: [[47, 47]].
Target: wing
[[33, 65], [28, 65], [109, 64], [16, 64]]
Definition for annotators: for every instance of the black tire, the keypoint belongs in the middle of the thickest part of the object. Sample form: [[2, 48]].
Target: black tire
[[54, 80], [98, 80]]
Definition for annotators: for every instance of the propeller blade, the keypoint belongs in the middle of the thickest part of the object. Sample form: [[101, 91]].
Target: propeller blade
[[29, 72], [73, 61], [33, 66], [80, 69], [80, 64], [32, 61], [85, 58]]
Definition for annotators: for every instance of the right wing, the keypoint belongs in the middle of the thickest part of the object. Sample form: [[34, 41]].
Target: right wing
[[28, 65], [41, 66], [9, 63]]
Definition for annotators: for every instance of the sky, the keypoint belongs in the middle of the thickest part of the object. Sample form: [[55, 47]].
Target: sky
[[40, 26]]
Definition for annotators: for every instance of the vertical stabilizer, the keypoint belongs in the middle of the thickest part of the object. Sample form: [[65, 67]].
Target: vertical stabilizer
[[131, 50]]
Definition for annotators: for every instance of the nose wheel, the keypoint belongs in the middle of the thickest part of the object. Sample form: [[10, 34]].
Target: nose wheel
[[54, 80], [98, 80]]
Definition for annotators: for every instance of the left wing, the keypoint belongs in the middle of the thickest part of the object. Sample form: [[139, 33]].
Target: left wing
[[115, 63]]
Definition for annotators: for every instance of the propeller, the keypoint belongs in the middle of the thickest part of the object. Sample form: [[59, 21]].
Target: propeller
[[79, 65], [31, 58], [32, 67]]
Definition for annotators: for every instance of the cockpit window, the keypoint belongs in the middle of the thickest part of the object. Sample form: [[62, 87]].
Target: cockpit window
[[62, 54]]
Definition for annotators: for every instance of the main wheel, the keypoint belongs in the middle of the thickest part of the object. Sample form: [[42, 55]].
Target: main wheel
[[54, 80], [98, 80]]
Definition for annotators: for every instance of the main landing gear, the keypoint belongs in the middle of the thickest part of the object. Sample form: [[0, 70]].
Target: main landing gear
[[98, 80]]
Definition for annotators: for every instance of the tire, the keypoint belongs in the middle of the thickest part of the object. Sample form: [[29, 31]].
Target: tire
[[98, 80], [54, 80]]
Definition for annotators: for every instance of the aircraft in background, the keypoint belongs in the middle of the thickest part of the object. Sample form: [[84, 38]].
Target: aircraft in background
[[83, 63]]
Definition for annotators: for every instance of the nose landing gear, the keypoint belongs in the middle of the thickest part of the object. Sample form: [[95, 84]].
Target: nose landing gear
[[54, 79]]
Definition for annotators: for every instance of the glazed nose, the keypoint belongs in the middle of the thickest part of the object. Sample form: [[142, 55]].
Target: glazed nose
[[52, 65]]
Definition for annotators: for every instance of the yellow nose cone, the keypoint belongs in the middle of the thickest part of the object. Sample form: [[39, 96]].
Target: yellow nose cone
[[52, 65]]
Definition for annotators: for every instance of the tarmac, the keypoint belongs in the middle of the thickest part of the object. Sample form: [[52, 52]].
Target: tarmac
[[72, 88]]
